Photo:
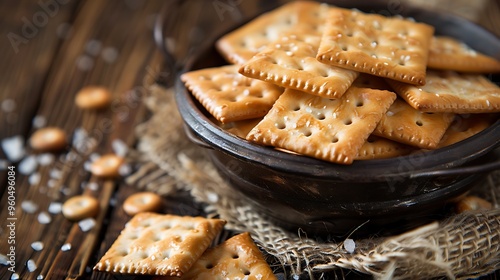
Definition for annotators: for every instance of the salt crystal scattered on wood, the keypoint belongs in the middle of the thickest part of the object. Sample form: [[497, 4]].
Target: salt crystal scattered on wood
[[84, 63], [56, 174], [28, 165], [40, 277], [4, 260], [93, 47], [39, 121], [55, 207], [37, 245], [349, 245], [66, 247], [13, 147], [52, 183], [14, 276], [124, 170], [44, 218], [109, 54], [93, 186], [31, 265], [87, 224], [119, 147], [212, 197], [45, 159], [29, 206], [4, 164], [8, 105], [34, 178]]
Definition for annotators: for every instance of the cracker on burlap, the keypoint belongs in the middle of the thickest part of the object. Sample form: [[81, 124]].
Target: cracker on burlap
[[236, 258], [241, 44], [291, 62], [447, 53], [449, 91], [379, 148], [230, 96], [328, 129], [465, 126], [404, 124], [393, 48], [160, 244]]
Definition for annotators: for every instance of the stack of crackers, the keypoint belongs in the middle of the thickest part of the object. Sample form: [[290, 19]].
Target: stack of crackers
[[179, 247], [342, 85]]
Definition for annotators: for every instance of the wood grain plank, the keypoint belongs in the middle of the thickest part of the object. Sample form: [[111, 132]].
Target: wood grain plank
[[123, 32]]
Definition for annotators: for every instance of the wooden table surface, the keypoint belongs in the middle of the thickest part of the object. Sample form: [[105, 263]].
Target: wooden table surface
[[50, 49]]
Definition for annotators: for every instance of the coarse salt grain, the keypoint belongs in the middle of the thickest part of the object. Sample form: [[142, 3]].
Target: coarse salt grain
[[119, 147], [66, 247], [37, 245], [349, 245], [8, 105], [56, 174], [212, 197], [93, 47], [45, 159], [44, 218], [125, 170], [93, 186], [14, 276], [84, 63], [31, 265], [55, 207], [87, 224], [51, 183], [40, 277], [28, 165], [4, 260], [14, 147], [4, 164], [109, 54], [34, 178], [39, 121], [29, 206]]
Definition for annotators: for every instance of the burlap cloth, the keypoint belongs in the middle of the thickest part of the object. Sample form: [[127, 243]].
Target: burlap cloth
[[463, 246]]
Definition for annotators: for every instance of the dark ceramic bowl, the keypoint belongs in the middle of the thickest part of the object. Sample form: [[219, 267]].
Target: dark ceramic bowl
[[374, 196]]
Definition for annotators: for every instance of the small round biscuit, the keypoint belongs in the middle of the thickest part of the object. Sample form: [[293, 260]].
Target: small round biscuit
[[107, 166], [48, 139], [80, 207], [470, 203], [142, 202], [93, 97]]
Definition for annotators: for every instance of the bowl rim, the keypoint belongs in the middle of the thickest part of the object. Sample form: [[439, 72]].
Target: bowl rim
[[376, 169]]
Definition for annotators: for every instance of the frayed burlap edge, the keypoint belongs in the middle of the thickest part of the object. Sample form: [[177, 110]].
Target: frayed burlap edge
[[463, 246]]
